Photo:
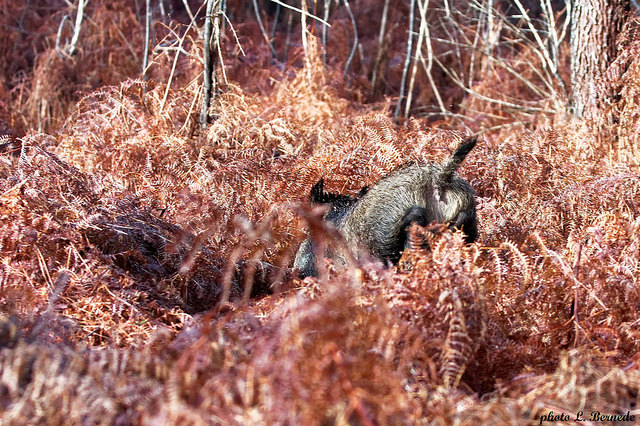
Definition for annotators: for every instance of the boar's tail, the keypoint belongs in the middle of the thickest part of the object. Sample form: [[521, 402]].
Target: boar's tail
[[450, 166]]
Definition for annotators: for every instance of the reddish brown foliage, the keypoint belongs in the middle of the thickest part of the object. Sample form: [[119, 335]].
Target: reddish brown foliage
[[144, 272]]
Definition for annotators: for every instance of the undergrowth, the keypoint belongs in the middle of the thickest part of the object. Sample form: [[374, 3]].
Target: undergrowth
[[145, 270]]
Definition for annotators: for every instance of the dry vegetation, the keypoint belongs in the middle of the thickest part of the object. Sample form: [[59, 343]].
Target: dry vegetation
[[143, 274]]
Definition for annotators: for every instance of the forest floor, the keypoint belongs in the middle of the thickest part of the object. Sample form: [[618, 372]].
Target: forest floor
[[145, 262]]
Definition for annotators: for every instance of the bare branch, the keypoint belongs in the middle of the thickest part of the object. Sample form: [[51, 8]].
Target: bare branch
[[178, 50], [147, 30], [460, 83], [381, 47], [327, 7], [553, 65], [407, 61], [310, 15], [70, 48], [188, 9], [427, 64], [65, 19], [355, 38], [263, 30], [303, 24]]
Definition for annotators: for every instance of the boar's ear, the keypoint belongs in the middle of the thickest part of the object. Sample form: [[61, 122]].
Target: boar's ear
[[317, 194], [362, 192]]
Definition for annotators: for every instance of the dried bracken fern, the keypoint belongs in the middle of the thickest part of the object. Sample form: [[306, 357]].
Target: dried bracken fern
[[457, 346], [145, 264]]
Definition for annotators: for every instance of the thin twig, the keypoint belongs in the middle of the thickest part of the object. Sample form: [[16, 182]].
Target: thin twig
[[518, 75], [474, 47], [188, 9], [480, 96], [545, 80], [567, 22], [263, 30], [175, 63], [427, 64], [147, 31], [535, 48], [65, 19], [191, 108], [23, 16], [180, 49], [355, 38], [327, 7], [71, 47], [216, 28], [488, 36], [407, 61], [163, 11], [381, 47], [223, 9], [303, 24], [447, 8], [414, 69], [503, 64], [322, 21], [554, 42], [553, 65], [287, 41], [274, 27]]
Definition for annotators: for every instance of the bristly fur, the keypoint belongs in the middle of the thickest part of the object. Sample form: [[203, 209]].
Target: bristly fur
[[340, 205], [378, 218]]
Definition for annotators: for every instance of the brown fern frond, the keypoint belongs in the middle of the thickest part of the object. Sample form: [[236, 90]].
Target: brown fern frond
[[522, 262], [457, 345], [145, 264]]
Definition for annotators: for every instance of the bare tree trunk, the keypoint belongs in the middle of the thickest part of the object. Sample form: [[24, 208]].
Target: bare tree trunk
[[211, 44], [595, 24]]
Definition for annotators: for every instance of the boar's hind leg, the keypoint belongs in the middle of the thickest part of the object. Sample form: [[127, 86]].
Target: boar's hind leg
[[466, 221], [415, 214]]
